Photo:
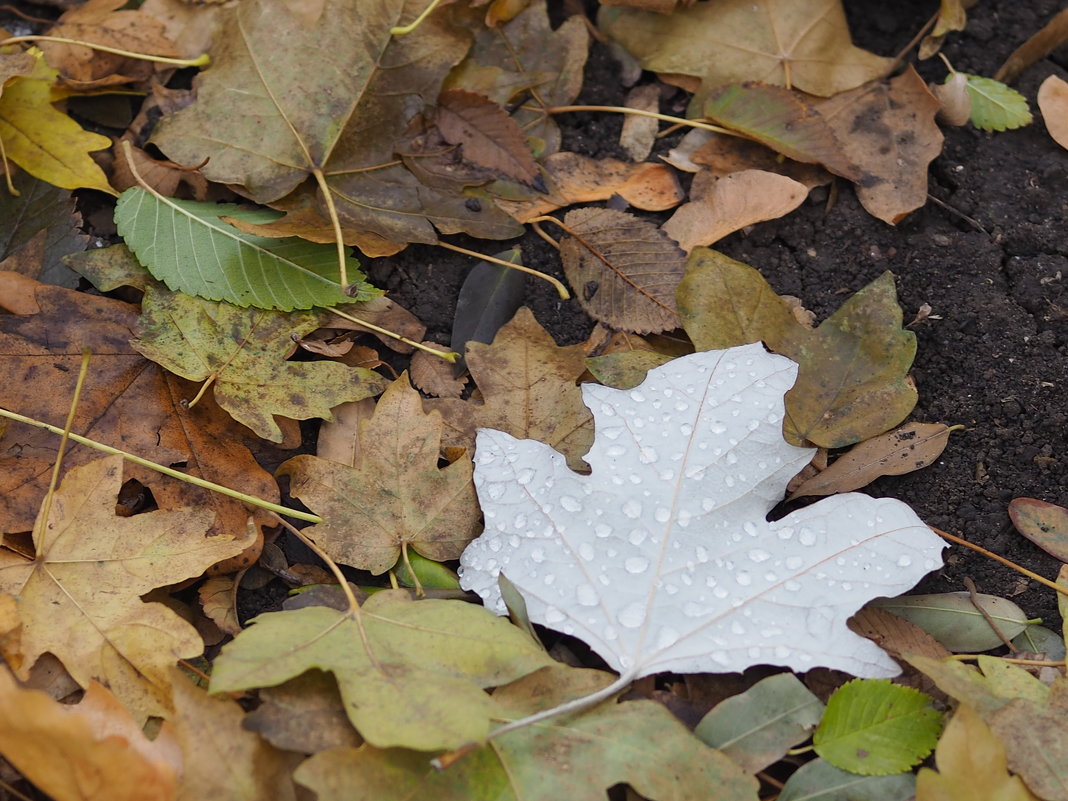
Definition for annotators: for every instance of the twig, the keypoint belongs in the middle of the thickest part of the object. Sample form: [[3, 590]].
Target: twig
[[1023, 570], [973, 597]]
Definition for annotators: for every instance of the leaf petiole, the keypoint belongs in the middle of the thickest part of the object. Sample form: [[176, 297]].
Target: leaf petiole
[[401, 30], [167, 471], [448, 356], [200, 61], [335, 223]]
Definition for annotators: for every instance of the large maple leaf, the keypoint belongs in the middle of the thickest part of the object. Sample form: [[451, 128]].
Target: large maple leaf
[[663, 558]]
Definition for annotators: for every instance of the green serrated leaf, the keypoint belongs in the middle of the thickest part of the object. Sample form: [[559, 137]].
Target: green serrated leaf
[[757, 727], [818, 780], [876, 728], [995, 106], [189, 247]]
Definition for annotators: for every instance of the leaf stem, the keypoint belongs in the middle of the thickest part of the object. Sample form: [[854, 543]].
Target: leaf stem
[[200, 61], [448, 356], [203, 388], [167, 471], [1012, 660], [560, 288], [339, 238], [401, 30], [705, 126], [1040, 579]]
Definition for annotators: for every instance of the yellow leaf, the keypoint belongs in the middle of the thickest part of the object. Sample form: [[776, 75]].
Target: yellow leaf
[[45, 142], [971, 765]]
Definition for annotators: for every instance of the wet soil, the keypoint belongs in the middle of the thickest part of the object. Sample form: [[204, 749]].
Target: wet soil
[[993, 266]]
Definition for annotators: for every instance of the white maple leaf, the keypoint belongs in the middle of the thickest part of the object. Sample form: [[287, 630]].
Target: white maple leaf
[[662, 558]]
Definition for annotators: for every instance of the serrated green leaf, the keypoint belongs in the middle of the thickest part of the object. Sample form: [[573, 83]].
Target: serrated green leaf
[[189, 247], [821, 781], [244, 353], [995, 106], [757, 727], [876, 728], [411, 673]]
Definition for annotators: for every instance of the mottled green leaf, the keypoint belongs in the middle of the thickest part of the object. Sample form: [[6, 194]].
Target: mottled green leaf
[[821, 781]]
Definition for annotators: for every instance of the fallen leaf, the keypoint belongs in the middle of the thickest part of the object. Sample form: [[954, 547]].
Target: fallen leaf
[[951, 17], [1045, 524], [971, 764], [128, 402], [953, 619], [425, 661], [803, 45], [43, 141], [639, 132], [574, 178], [243, 353], [305, 714], [624, 270], [38, 227], [632, 565], [955, 104], [529, 387], [1048, 38], [903, 450], [217, 599], [757, 727], [853, 381], [90, 751], [221, 759], [489, 137], [109, 268], [819, 780], [890, 128], [434, 376], [725, 205], [490, 296], [638, 743], [394, 497], [1053, 103], [995, 106], [79, 598], [722, 155]]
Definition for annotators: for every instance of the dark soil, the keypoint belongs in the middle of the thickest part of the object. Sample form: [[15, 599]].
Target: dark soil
[[994, 354]]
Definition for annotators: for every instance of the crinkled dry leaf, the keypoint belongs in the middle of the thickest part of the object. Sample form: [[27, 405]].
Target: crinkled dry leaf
[[87, 751], [725, 205], [637, 742], [80, 597], [394, 497], [529, 388], [951, 17], [1053, 103], [434, 376], [243, 353], [128, 402], [890, 129], [488, 135], [662, 559], [853, 382], [639, 132], [623, 270], [903, 450], [803, 44], [574, 178]]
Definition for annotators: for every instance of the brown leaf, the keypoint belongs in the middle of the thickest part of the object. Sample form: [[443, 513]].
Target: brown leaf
[[579, 179], [90, 751], [340, 439], [623, 270], [530, 390], [384, 313], [725, 205], [639, 132], [305, 714], [954, 102], [394, 497], [898, 636], [723, 155], [1053, 102], [128, 402], [889, 128], [217, 600], [489, 137], [911, 447], [951, 17], [1051, 36], [221, 758], [1044, 524], [435, 376]]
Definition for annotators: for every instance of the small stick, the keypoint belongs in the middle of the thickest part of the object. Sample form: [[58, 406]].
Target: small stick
[[973, 596], [706, 126], [560, 288], [1023, 570]]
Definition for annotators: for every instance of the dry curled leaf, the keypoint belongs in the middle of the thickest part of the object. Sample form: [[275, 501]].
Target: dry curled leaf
[[435, 376], [623, 270]]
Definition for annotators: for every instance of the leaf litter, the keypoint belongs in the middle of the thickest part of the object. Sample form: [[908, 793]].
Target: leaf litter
[[443, 130]]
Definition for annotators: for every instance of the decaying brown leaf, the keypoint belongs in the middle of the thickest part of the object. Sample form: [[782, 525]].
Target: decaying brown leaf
[[488, 135], [529, 389], [435, 376], [911, 447], [951, 17], [890, 129], [639, 132], [623, 270], [725, 205], [721, 155], [80, 597], [305, 714], [579, 179], [90, 751], [394, 497], [955, 104], [1053, 102]]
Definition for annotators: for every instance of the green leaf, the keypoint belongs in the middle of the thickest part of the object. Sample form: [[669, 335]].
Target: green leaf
[[189, 247], [852, 381], [757, 727], [953, 620], [875, 728], [576, 758], [243, 352], [821, 781], [1040, 640], [995, 106], [432, 575], [411, 673]]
